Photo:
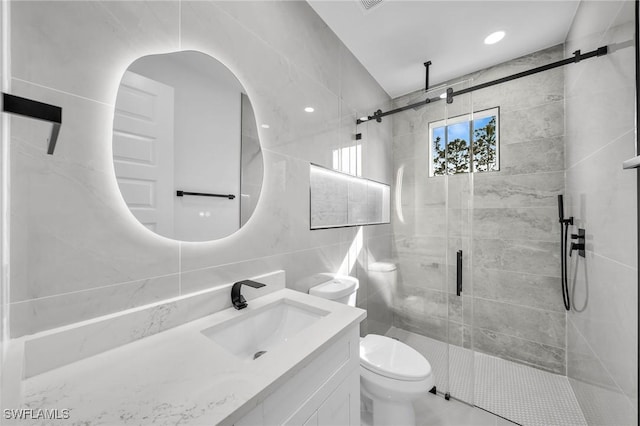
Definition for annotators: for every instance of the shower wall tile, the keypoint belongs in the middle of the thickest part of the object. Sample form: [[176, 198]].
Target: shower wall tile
[[535, 156], [605, 302], [429, 221], [606, 212], [529, 92], [415, 272], [538, 122], [600, 119], [412, 146], [534, 354], [584, 363], [493, 190], [536, 325], [532, 257], [426, 325], [74, 242], [601, 406], [616, 109], [505, 221], [516, 223], [517, 288]]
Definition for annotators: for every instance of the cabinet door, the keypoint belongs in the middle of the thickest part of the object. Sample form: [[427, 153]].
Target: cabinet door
[[342, 407]]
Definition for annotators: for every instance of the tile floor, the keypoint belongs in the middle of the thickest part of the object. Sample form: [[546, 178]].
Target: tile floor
[[522, 394], [434, 410]]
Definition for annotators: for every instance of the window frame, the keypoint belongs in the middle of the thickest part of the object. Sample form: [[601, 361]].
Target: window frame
[[494, 111]]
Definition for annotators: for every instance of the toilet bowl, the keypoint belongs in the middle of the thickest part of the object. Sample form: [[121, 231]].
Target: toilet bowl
[[392, 374]]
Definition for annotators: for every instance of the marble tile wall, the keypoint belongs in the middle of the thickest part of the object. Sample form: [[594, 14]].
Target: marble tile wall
[[505, 222], [77, 252], [602, 328], [252, 168]]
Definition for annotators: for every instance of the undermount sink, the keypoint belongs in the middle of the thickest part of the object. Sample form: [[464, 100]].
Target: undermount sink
[[258, 331]]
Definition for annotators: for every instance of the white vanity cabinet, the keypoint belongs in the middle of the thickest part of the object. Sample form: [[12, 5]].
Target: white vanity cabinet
[[325, 391]]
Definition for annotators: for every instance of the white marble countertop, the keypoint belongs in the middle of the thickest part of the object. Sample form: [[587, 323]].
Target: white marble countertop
[[180, 376]]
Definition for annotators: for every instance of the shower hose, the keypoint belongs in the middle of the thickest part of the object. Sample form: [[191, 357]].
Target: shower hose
[[564, 236]]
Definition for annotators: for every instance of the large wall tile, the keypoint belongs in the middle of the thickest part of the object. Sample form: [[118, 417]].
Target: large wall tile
[[532, 190], [315, 47], [534, 354], [536, 325], [71, 222], [73, 236], [613, 107], [602, 339], [533, 257], [604, 299], [517, 223], [84, 47], [540, 155], [505, 222], [606, 212], [538, 122], [601, 406], [517, 288]]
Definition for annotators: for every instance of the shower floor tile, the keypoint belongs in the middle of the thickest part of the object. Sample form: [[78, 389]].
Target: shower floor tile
[[522, 394]]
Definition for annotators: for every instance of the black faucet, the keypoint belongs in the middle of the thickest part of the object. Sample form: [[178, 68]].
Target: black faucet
[[238, 299]]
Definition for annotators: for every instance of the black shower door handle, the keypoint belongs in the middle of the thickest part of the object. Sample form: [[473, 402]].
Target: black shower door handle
[[459, 272]]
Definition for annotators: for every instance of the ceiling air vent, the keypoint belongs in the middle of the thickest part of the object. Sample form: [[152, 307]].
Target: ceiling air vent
[[369, 4]]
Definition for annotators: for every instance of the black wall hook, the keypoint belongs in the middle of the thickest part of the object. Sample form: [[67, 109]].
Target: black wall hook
[[34, 109]]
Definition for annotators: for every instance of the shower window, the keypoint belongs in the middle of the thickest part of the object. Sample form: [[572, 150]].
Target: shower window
[[464, 144]]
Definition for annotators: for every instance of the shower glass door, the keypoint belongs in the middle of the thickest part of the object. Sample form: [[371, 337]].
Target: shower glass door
[[458, 133]]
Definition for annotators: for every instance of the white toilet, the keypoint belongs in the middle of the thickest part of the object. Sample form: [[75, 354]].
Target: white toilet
[[392, 374]]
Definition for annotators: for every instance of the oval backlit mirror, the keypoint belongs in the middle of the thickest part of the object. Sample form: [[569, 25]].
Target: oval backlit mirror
[[185, 146]]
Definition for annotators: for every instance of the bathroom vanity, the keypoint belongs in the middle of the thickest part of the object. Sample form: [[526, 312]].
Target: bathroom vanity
[[208, 371]]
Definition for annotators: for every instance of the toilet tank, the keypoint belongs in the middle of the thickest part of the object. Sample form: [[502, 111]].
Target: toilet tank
[[339, 288], [383, 278], [383, 273]]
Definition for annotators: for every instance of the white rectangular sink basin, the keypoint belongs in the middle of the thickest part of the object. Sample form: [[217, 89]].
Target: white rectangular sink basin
[[258, 331]]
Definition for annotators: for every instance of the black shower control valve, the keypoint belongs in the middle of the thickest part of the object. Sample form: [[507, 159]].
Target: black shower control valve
[[576, 246], [580, 245]]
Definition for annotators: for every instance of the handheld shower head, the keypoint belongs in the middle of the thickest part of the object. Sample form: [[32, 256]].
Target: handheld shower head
[[560, 208]]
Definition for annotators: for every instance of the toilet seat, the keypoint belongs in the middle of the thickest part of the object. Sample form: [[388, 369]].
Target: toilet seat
[[393, 359]]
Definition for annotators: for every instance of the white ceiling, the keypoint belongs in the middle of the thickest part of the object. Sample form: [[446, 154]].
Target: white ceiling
[[393, 39]]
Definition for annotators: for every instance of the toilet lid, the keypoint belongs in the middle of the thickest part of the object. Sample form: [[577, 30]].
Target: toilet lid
[[391, 358]]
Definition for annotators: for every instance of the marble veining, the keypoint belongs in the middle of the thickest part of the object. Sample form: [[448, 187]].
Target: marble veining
[[179, 376]]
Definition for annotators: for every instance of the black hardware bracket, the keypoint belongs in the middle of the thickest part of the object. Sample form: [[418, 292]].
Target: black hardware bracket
[[38, 110], [577, 57], [426, 75], [204, 194]]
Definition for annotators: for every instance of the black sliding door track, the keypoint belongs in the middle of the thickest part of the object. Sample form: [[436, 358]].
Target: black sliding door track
[[601, 51]]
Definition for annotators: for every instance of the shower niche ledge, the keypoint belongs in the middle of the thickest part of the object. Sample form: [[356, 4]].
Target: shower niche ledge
[[181, 374]]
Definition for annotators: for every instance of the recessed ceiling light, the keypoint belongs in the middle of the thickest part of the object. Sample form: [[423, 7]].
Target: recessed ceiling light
[[265, 126], [494, 37], [309, 109]]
